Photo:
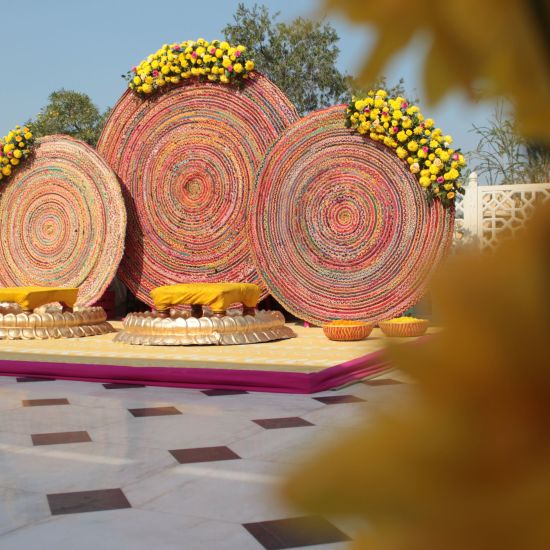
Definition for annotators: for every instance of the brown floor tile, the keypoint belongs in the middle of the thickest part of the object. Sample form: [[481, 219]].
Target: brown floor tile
[[87, 501], [214, 393], [203, 454], [295, 532], [337, 399], [44, 402], [58, 438], [154, 411], [288, 422], [34, 379], [122, 386]]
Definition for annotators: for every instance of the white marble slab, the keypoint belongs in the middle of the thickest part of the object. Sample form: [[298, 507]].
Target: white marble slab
[[174, 506]]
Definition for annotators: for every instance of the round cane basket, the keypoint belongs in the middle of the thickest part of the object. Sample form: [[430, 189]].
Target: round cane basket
[[346, 333], [187, 160], [62, 220], [341, 228], [412, 328]]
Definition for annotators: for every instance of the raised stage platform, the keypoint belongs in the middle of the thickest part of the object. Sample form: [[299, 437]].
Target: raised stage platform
[[306, 364]]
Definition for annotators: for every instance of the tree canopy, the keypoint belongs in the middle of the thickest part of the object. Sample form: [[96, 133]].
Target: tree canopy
[[71, 113], [300, 57]]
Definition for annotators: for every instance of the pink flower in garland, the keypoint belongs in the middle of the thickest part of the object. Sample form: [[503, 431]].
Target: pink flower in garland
[[194, 54], [230, 68], [440, 179]]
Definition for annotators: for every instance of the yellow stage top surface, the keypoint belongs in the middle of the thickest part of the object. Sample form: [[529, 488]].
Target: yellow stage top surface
[[311, 351]]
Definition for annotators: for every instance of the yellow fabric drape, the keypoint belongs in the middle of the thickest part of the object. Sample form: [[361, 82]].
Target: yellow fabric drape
[[31, 297], [219, 296]]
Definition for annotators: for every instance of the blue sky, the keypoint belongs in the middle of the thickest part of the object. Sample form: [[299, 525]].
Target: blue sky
[[85, 45]]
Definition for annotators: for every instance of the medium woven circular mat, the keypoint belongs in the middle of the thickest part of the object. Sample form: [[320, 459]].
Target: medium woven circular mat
[[187, 160], [341, 229], [62, 220]]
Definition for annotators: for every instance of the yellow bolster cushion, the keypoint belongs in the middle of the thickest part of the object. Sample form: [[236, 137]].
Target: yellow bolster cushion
[[219, 296], [31, 297]]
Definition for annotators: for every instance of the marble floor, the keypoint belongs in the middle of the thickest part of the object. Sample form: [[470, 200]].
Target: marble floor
[[87, 466]]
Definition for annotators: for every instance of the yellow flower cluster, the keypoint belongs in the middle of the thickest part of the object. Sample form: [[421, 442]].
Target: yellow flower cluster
[[415, 139], [347, 323], [15, 148], [404, 320], [209, 61]]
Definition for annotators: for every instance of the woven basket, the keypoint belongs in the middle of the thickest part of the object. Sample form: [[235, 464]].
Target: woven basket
[[416, 328], [343, 333]]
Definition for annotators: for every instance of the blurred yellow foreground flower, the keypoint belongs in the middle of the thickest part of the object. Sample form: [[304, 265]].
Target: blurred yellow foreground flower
[[503, 47], [466, 465]]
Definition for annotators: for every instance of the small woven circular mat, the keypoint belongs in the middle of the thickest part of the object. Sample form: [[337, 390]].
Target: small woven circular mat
[[341, 229], [62, 220], [187, 160]]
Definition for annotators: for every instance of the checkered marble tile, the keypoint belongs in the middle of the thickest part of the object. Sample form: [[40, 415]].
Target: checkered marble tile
[[59, 438], [44, 402], [294, 532], [285, 422], [79, 502], [86, 465]]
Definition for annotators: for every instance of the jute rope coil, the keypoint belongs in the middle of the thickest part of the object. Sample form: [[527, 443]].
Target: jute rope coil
[[341, 229], [62, 220], [187, 160]]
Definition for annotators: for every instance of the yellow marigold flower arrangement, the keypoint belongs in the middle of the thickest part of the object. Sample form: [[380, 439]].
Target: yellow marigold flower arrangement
[[397, 124], [403, 320], [15, 149], [346, 323], [176, 63]]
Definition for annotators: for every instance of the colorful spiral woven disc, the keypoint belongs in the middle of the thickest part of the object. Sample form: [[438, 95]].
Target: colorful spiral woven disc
[[187, 161], [62, 220], [341, 228]]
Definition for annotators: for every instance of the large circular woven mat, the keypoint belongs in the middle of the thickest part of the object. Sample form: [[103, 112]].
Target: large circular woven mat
[[62, 220], [341, 229], [187, 161]]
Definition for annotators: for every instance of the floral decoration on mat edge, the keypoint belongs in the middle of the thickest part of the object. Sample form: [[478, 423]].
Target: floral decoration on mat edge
[[401, 126], [207, 61], [15, 149]]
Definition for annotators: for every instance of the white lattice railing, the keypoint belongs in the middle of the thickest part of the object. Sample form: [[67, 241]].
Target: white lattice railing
[[487, 211]]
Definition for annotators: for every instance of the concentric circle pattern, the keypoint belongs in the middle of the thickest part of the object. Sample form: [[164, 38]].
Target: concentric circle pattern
[[341, 229], [187, 161], [62, 221]]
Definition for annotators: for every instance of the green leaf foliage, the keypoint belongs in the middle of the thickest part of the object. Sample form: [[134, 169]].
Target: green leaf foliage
[[300, 56], [504, 156], [71, 113]]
